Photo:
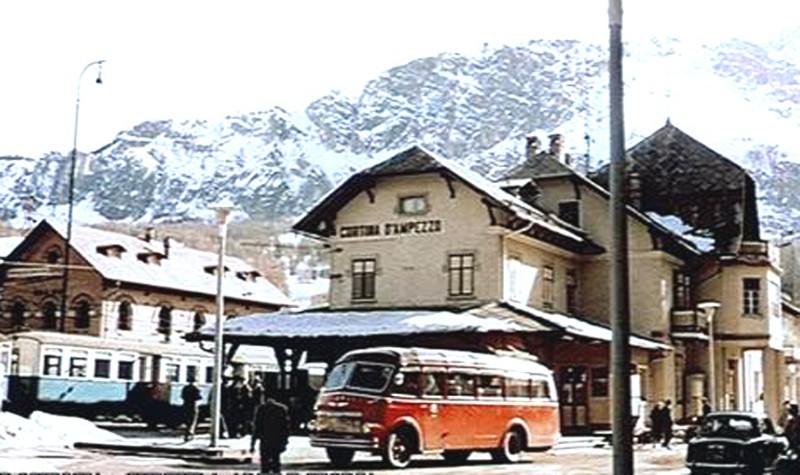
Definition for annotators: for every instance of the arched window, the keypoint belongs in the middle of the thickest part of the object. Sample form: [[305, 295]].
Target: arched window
[[124, 316], [53, 255], [199, 320], [18, 314], [82, 315], [49, 316], [165, 320]]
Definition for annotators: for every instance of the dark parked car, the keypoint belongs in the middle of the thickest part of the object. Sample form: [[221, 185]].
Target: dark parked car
[[735, 442]]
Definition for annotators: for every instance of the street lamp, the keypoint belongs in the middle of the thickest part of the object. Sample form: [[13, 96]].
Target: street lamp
[[223, 210], [709, 308], [71, 187]]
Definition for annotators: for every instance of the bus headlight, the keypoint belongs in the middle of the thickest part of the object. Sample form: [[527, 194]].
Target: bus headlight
[[368, 427]]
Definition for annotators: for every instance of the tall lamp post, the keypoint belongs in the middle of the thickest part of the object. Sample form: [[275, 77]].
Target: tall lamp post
[[223, 210], [71, 188], [709, 308]]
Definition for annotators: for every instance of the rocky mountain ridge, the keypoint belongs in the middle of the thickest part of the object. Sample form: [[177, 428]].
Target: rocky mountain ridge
[[739, 98]]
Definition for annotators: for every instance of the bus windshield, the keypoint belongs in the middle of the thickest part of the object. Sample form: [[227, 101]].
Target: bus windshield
[[371, 377]]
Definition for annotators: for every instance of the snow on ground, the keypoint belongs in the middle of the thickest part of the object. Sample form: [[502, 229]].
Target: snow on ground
[[47, 430]]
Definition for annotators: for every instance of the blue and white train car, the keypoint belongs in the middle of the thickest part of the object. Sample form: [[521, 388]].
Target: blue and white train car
[[92, 377]]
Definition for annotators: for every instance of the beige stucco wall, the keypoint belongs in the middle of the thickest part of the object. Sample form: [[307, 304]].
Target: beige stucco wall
[[412, 268]]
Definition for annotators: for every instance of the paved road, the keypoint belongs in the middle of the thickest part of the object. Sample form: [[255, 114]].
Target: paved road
[[303, 459]]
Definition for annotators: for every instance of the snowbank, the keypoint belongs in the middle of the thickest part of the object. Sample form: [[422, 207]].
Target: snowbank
[[47, 430]]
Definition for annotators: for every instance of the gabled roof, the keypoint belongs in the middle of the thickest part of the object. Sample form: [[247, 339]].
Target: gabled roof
[[678, 175], [183, 270], [417, 160]]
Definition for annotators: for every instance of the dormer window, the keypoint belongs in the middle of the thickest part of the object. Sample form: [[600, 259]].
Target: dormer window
[[53, 255], [150, 257], [413, 205], [570, 212], [111, 250], [213, 270], [248, 276]]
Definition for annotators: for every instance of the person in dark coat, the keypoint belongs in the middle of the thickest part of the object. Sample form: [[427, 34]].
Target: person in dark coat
[[239, 407], [666, 421], [657, 422], [191, 400], [271, 430]]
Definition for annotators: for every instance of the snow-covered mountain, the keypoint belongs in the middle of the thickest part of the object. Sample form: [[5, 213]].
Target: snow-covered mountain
[[739, 98]]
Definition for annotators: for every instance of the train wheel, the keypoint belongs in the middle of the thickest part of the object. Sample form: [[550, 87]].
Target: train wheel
[[340, 457], [397, 453], [511, 449]]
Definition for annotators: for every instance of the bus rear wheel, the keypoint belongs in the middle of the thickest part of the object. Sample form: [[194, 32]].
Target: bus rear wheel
[[340, 457], [399, 446], [511, 448]]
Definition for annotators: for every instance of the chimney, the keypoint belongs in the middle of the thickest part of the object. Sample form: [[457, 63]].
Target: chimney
[[634, 189], [532, 147], [556, 143], [166, 247]]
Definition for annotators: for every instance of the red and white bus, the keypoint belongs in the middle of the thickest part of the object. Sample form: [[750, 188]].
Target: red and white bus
[[397, 402]]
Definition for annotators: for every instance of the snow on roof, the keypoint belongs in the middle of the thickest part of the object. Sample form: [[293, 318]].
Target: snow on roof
[[7, 244], [677, 226], [360, 323], [184, 269], [584, 328]]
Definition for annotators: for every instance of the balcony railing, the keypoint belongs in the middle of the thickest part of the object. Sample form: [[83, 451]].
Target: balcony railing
[[689, 321]]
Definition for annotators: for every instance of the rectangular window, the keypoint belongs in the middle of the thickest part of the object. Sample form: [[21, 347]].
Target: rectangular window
[[682, 291], [77, 366], [518, 387], [548, 283], [572, 291], [209, 374], [191, 373], [461, 274], [125, 370], [751, 296], [52, 365], [460, 385], [490, 386], [540, 389], [569, 211], [600, 382], [363, 279], [413, 205], [432, 384], [173, 372], [102, 366]]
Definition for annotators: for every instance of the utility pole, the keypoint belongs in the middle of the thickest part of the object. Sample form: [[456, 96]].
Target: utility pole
[[622, 439]]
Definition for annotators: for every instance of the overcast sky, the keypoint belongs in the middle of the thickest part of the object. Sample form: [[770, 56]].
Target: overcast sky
[[197, 59]]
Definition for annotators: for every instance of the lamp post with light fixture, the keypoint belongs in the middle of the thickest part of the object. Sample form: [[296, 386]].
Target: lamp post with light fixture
[[71, 189], [223, 210], [709, 308]]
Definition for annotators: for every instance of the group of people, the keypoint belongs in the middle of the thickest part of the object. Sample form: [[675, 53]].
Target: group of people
[[789, 422], [246, 409]]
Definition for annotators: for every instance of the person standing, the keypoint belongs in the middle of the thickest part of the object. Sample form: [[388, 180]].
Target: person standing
[[656, 422], [239, 402], [666, 421], [271, 430], [190, 395]]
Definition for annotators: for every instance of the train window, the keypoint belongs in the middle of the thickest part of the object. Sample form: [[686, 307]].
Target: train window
[[52, 364], [191, 373], [77, 366], [102, 365], [173, 372], [125, 370]]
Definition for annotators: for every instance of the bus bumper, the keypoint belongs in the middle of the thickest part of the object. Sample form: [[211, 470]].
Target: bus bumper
[[345, 441]]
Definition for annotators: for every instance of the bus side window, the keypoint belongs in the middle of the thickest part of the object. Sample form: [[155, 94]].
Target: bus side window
[[518, 387], [540, 389], [460, 385], [432, 384], [406, 383], [490, 386]]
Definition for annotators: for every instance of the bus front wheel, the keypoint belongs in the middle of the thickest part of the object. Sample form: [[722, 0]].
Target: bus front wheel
[[399, 446], [340, 457], [511, 448]]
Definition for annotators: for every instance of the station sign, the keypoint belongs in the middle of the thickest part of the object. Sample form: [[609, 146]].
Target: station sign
[[402, 228]]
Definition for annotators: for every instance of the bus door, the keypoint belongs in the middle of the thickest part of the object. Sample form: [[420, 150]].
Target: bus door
[[430, 415], [574, 413]]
